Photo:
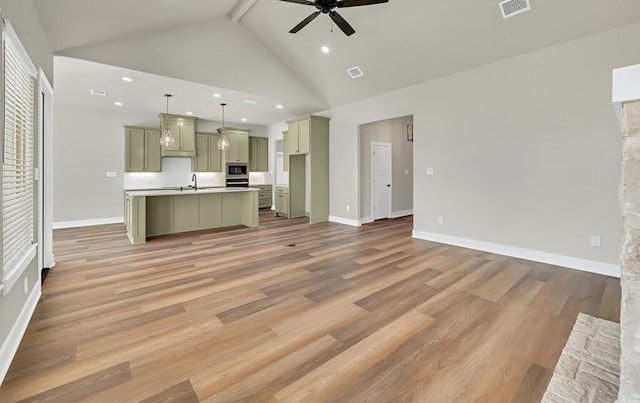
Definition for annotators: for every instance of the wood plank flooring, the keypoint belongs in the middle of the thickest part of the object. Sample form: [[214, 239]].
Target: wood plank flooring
[[292, 312]]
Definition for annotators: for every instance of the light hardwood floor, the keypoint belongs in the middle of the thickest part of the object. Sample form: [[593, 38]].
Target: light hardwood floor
[[293, 312]]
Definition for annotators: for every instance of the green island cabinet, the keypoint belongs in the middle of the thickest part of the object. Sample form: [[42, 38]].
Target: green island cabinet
[[142, 150], [258, 154], [238, 146], [159, 212], [208, 158], [183, 129], [307, 143]]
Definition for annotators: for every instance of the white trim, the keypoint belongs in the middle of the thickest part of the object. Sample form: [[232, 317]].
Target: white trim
[[345, 221], [9, 35], [403, 213], [45, 165], [12, 276], [366, 220], [87, 223], [12, 342], [591, 266]]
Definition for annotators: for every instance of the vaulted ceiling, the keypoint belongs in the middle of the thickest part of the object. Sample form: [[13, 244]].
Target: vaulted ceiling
[[244, 45]]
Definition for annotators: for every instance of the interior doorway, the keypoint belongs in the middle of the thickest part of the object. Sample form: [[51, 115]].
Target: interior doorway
[[392, 201], [381, 179]]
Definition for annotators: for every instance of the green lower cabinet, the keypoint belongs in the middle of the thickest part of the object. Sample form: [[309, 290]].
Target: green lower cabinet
[[282, 201]]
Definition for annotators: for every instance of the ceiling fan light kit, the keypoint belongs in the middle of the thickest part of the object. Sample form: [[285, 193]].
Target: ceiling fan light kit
[[327, 7]]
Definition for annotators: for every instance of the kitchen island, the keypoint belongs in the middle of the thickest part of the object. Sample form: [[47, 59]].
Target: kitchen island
[[150, 213]]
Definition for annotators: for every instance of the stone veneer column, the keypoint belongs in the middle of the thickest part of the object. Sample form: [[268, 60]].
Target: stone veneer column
[[630, 259]]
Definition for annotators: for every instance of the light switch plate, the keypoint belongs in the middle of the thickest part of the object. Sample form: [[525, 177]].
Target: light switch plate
[[429, 171], [112, 174], [406, 172]]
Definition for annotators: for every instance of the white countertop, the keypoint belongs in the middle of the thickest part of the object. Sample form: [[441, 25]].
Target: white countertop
[[186, 191]]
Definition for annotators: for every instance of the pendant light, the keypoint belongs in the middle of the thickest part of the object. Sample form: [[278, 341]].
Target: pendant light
[[223, 142], [167, 140]]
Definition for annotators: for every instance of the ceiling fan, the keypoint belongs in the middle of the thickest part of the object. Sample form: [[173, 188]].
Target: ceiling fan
[[326, 7]]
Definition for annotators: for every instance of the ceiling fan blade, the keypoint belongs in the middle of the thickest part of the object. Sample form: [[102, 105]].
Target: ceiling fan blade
[[355, 3], [306, 2], [304, 22], [342, 23]]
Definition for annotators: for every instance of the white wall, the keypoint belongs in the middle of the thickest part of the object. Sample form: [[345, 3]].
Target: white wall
[[90, 143], [526, 151]]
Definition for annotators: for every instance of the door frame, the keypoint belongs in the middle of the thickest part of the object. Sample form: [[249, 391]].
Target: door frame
[[45, 173], [373, 188]]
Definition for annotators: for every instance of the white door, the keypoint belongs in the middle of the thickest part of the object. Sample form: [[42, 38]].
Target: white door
[[45, 174], [381, 180]]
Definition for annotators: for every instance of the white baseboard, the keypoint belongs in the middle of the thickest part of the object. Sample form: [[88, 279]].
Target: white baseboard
[[591, 266], [87, 223], [403, 213], [345, 221], [10, 346]]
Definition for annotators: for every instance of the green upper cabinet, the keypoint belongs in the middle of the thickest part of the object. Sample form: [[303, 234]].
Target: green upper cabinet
[[183, 129], [142, 150], [238, 146], [258, 154], [285, 136], [208, 157], [299, 130]]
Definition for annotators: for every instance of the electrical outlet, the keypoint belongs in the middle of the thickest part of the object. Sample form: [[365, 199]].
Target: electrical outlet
[[112, 174], [429, 171], [406, 172], [595, 240], [26, 285], [441, 220], [348, 208]]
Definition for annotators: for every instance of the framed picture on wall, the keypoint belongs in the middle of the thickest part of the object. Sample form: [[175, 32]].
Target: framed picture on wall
[[410, 132]]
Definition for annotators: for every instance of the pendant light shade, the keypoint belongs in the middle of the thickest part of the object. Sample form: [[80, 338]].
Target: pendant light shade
[[167, 140], [223, 142]]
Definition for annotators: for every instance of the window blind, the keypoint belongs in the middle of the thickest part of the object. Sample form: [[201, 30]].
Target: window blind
[[18, 156]]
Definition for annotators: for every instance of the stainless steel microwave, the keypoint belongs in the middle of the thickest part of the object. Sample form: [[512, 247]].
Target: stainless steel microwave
[[237, 170]]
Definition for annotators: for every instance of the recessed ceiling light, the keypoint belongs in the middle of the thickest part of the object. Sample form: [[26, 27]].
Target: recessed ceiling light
[[244, 119], [99, 93], [250, 102], [127, 79], [118, 103], [216, 95], [279, 106], [325, 49], [189, 113]]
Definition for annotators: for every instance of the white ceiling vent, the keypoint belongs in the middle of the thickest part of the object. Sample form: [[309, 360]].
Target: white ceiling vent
[[99, 93], [509, 8], [355, 72]]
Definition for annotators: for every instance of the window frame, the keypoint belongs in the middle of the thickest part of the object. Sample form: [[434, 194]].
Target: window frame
[[10, 276]]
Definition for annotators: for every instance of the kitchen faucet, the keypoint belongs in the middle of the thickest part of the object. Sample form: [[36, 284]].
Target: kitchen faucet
[[194, 178]]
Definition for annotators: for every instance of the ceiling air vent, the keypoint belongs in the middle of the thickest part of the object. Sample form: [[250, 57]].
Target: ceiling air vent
[[509, 8], [355, 72], [100, 93]]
